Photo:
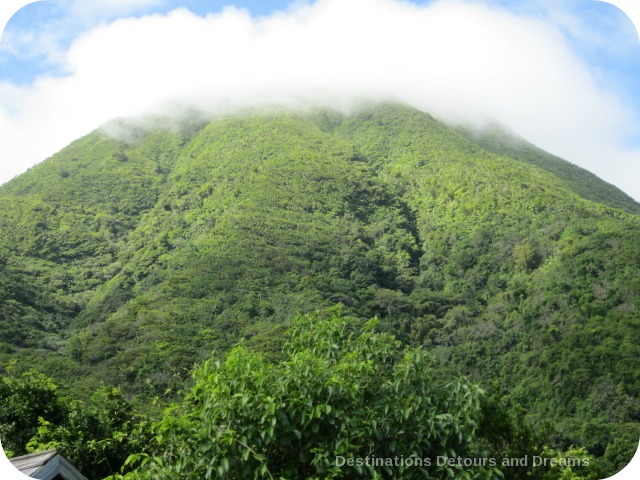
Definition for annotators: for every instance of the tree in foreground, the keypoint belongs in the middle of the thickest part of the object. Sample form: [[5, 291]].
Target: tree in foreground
[[344, 403]]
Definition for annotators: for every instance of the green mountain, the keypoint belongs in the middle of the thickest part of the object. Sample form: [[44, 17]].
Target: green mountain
[[126, 259]]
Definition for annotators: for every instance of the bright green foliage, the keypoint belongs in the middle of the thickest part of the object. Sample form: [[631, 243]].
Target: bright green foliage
[[338, 393], [562, 465], [62, 226], [498, 140]]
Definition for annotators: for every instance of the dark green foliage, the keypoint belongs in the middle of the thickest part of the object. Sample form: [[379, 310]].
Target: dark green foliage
[[24, 399], [96, 436]]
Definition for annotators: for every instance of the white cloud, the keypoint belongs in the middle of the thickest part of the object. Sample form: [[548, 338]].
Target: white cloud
[[42, 45], [99, 8], [457, 60], [14, 42]]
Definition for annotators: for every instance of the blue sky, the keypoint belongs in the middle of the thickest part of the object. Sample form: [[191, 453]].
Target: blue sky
[[594, 42]]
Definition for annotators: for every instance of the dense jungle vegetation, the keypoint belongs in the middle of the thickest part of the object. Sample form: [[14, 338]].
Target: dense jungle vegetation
[[504, 282]]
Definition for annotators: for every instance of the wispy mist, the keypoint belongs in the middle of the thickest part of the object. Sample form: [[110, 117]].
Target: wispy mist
[[462, 62]]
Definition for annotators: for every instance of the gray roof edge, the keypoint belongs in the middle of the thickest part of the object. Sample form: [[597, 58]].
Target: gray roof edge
[[34, 454], [54, 464], [68, 471]]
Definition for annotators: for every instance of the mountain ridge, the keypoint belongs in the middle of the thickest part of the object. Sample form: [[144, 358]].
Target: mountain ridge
[[499, 140]]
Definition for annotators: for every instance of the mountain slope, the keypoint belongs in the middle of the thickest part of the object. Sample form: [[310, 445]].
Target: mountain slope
[[581, 181], [129, 259], [521, 280], [64, 223]]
